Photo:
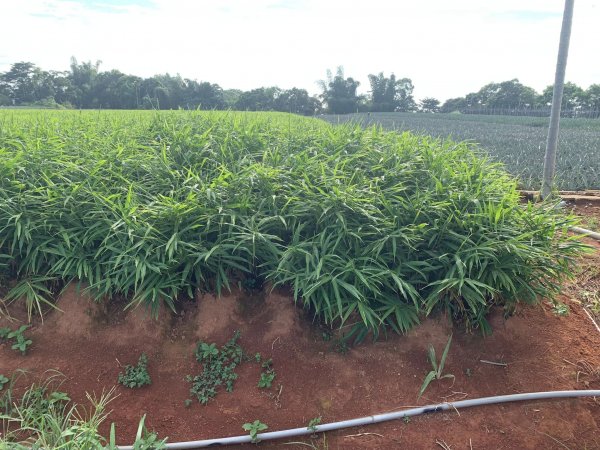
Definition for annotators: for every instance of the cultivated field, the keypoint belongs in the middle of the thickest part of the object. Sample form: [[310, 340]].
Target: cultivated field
[[518, 142], [272, 250], [365, 223]]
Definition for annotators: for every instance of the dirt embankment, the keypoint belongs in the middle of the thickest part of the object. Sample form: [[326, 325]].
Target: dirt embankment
[[90, 344]]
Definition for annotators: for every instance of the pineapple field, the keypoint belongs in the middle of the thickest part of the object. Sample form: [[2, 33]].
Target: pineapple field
[[518, 142]]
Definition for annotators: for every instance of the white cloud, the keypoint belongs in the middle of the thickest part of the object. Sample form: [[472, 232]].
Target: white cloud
[[447, 48]]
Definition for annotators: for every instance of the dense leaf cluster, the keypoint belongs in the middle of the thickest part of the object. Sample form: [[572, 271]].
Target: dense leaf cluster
[[218, 368], [136, 376], [364, 225]]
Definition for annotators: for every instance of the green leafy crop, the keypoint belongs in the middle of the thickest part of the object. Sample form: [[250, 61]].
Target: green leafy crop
[[3, 380], [268, 374], [20, 341], [437, 369], [314, 423], [218, 368], [368, 227], [136, 376], [254, 428]]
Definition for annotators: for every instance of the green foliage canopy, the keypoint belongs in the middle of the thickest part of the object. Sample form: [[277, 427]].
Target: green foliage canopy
[[367, 227]]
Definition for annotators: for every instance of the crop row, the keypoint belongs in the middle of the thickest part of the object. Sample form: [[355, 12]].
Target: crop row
[[367, 227]]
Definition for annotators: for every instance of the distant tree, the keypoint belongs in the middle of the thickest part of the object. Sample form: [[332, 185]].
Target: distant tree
[[5, 99], [148, 93], [573, 96], [297, 101], [453, 104], [503, 95], [474, 100], [163, 92], [261, 99], [404, 98], [204, 95], [27, 84], [5, 91], [592, 97], [339, 93], [389, 94], [429, 105], [116, 90], [64, 93], [231, 96], [383, 92], [83, 78], [19, 82], [507, 94]]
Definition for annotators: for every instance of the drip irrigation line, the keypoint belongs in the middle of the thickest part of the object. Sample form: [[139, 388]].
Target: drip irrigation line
[[588, 233], [283, 434], [591, 318]]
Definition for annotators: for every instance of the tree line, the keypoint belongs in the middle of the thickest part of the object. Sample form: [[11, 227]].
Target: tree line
[[85, 86], [513, 95]]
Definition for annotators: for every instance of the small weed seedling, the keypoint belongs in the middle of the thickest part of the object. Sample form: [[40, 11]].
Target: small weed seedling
[[41, 399], [267, 377], [327, 335], [312, 424], [6, 396], [3, 381], [592, 300], [560, 309], [136, 376], [144, 440], [311, 445], [205, 351], [438, 369], [406, 419], [341, 346], [266, 380], [21, 341], [57, 396], [219, 368], [254, 428]]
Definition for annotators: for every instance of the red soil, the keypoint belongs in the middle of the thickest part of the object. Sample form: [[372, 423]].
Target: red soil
[[90, 345]]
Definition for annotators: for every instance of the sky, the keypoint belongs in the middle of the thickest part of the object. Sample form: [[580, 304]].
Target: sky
[[448, 48]]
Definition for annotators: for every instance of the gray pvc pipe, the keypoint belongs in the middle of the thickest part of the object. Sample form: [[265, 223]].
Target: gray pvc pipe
[[293, 432], [588, 233]]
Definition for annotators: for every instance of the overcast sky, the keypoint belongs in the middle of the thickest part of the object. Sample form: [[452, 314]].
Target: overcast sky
[[447, 47]]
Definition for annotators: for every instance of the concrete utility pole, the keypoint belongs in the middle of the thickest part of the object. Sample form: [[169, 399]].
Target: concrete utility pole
[[559, 82]]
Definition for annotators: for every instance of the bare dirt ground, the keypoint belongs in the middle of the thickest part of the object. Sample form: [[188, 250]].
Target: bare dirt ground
[[90, 344]]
